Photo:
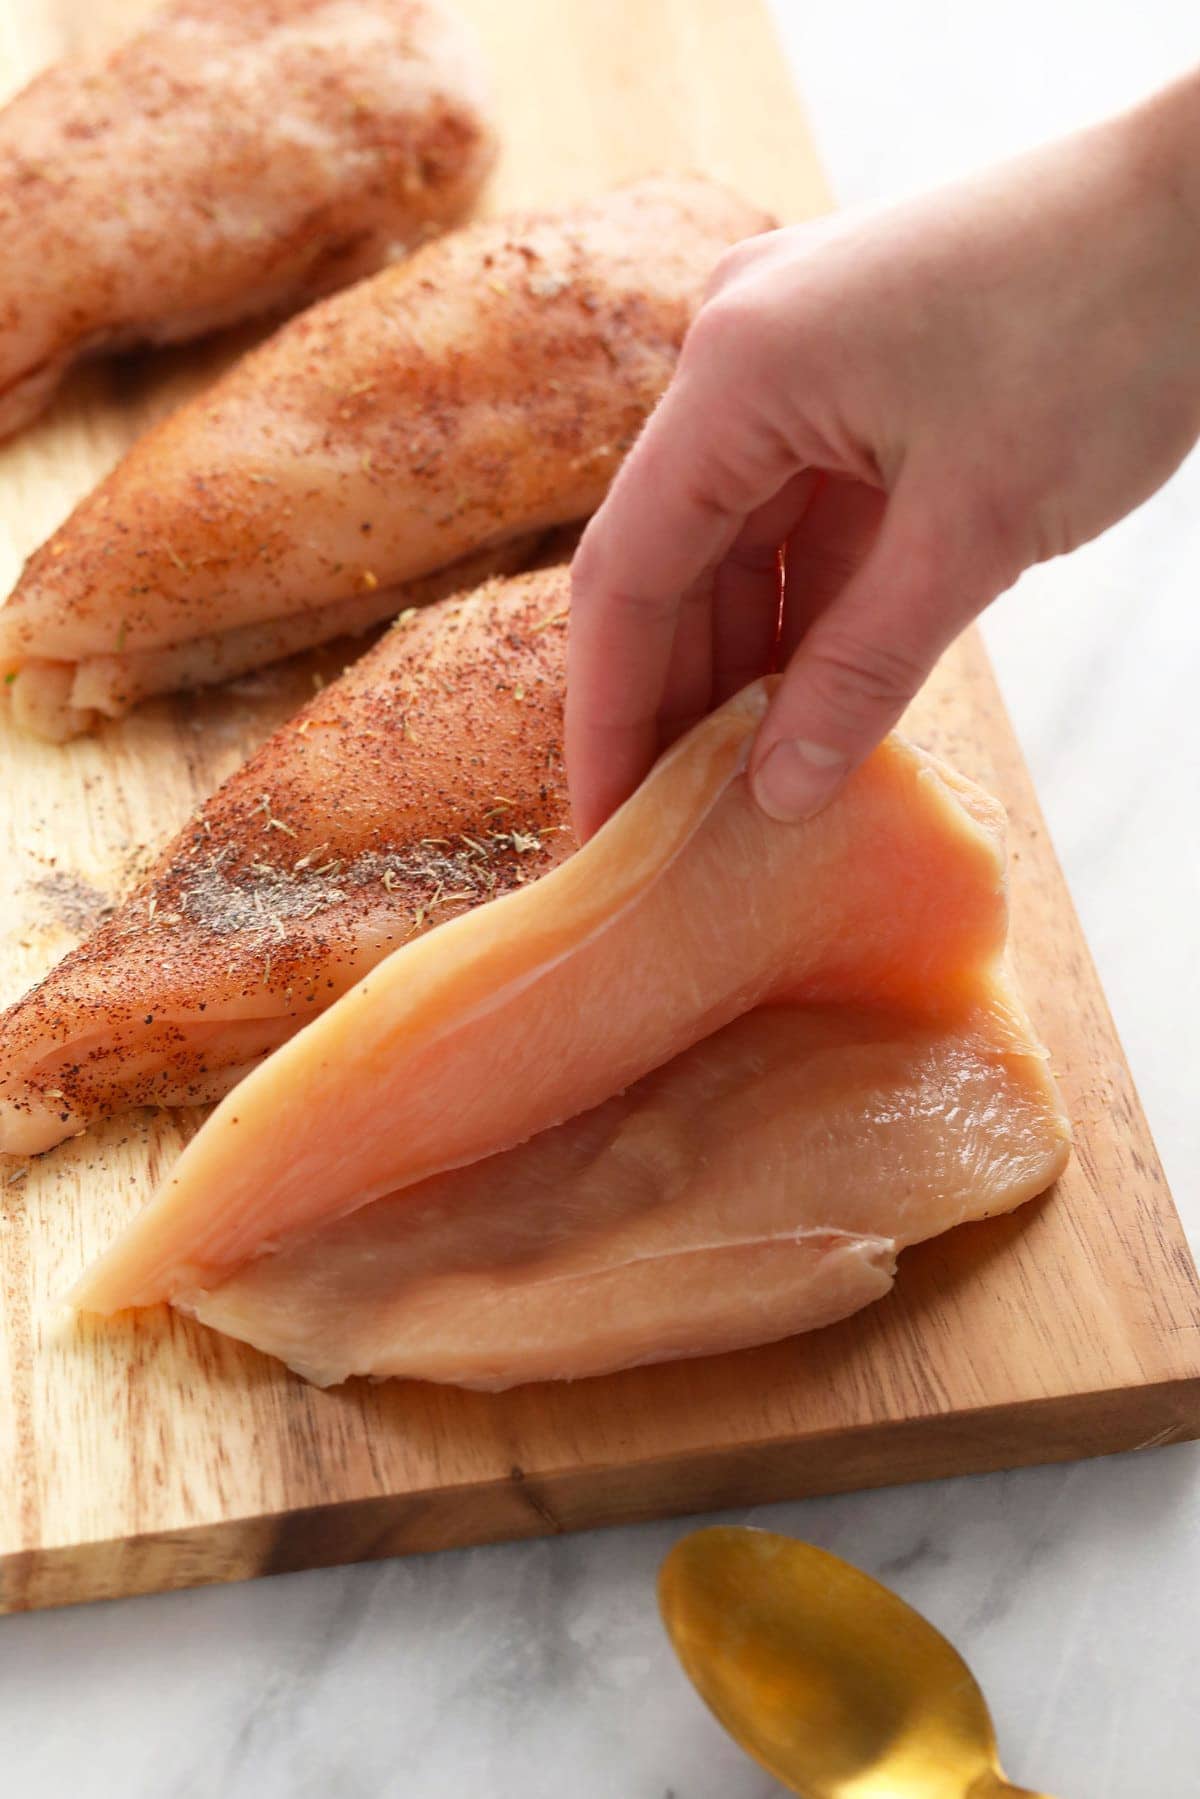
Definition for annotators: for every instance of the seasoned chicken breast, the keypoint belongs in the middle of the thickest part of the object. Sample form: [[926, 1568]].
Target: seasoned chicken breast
[[231, 158], [486, 387], [424, 780]]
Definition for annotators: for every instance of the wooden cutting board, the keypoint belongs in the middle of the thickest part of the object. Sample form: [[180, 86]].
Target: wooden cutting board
[[148, 1454]]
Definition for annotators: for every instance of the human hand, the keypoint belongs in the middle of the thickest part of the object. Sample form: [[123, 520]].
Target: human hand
[[903, 410]]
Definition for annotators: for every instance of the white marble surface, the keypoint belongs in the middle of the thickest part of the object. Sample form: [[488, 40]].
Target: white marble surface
[[538, 1670]]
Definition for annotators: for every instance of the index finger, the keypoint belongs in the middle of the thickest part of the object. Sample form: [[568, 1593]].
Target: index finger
[[674, 510]]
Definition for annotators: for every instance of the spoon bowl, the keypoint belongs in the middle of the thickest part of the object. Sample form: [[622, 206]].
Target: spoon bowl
[[832, 1682]]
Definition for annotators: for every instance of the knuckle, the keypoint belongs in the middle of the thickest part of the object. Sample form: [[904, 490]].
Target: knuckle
[[726, 321], [640, 606], [590, 589], [727, 267], [858, 680], [714, 492], [735, 260]]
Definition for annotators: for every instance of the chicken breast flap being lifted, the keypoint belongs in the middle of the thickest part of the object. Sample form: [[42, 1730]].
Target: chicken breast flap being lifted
[[689, 911], [426, 779], [484, 388], [230, 158]]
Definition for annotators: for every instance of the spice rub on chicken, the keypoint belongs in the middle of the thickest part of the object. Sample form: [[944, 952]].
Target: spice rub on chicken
[[230, 158], [484, 388], [425, 780]]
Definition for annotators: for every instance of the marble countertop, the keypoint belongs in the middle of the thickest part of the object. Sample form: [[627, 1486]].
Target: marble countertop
[[540, 1668]]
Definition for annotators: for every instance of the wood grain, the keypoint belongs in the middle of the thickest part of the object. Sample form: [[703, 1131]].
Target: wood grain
[[149, 1454]]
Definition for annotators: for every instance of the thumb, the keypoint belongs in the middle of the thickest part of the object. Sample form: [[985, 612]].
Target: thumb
[[862, 661]]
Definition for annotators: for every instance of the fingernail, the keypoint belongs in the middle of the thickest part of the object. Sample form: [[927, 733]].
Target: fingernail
[[797, 779]]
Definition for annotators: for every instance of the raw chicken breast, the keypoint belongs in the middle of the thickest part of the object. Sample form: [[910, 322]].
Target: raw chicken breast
[[427, 778], [689, 910], [231, 158], [485, 388], [759, 1184]]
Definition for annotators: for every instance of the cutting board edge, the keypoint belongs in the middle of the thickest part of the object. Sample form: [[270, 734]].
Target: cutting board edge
[[1020, 1433]]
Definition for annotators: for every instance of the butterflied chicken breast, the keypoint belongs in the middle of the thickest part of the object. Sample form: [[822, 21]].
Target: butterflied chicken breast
[[426, 779], [231, 158], [664, 962], [486, 387], [761, 1183]]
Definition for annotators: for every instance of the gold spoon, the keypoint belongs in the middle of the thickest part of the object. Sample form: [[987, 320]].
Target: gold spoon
[[831, 1681]]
